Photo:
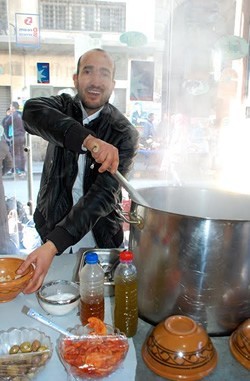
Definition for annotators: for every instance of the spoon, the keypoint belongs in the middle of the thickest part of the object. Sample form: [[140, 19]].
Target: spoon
[[42, 319]]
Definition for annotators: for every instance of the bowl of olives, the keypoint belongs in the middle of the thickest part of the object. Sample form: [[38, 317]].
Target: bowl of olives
[[23, 353]]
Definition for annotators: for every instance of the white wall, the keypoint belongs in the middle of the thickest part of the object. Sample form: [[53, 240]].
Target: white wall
[[141, 17]]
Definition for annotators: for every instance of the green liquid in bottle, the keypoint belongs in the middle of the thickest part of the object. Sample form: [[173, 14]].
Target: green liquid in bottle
[[126, 307]]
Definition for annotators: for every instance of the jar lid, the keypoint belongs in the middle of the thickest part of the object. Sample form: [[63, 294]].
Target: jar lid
[[126, 255], [91, 258]]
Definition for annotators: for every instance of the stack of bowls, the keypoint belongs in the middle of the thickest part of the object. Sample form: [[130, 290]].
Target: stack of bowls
[[179, 349]]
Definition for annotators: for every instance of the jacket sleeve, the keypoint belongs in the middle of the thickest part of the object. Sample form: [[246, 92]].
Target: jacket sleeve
[[98, 202], [100, 199], [49, 118]]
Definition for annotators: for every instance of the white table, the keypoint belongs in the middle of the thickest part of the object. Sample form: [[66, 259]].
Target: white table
[[134, 368], [63, 267]]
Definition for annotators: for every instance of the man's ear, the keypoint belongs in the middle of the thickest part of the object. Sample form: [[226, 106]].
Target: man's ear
[[75, 78]]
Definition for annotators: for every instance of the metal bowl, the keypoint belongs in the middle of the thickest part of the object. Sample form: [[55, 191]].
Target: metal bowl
[[59, 297]]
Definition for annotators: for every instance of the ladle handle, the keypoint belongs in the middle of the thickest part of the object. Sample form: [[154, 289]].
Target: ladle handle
[[135, 195]]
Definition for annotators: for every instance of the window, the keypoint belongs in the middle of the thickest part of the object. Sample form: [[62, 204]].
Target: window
[[97, 16], [53, 16], [89, 18]]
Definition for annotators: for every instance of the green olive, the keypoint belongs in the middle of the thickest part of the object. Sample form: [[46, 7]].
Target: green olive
[[35, 345], [42, 348], [25, 347], [14, 349]]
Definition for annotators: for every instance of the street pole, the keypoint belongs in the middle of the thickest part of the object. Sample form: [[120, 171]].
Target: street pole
[[28, 149]]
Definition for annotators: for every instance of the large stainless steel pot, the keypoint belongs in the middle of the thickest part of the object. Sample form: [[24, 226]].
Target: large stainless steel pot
[[192, 252]]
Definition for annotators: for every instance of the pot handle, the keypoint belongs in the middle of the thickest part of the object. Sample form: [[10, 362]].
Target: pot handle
[[130, 218]]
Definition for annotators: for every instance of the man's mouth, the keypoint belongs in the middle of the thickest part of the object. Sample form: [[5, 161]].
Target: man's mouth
[[94, 91]]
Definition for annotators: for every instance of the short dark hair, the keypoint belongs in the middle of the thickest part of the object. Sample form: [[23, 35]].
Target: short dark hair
[[93, 50], [16, 105]]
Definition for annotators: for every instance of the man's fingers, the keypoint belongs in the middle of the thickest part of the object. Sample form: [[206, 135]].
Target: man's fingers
[[34, 284], [107, 156], [95, 148], [24, 266]]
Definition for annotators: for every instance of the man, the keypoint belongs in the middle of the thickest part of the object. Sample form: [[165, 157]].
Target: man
[[88, 138], [137, 116], [6, 164], [13, 122], [148, 127]]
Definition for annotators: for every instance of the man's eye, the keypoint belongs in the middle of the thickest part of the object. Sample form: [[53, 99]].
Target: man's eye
[[105, 74]]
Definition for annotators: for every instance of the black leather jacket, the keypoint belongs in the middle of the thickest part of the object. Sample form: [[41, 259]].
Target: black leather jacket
[[58, 120]]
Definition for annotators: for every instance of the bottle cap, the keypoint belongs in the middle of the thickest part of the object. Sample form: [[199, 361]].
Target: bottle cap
[[91, 258], [126, 255]]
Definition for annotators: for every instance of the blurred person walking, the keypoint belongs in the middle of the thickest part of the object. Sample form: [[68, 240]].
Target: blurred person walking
[[6, 163], [148, 127], [8, 128], [14, 121]]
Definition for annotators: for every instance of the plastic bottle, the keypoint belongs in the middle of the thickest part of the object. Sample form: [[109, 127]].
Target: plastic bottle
[[91, 289], [126, 305]]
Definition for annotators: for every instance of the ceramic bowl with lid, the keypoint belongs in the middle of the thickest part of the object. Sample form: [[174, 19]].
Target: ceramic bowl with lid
[[239, 344], [179, 349], [59, 297]]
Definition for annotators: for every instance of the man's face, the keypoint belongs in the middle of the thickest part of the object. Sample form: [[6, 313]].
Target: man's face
[[94, 82]]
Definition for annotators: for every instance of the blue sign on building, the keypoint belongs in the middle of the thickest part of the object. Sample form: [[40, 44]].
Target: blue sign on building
[[43, 72]]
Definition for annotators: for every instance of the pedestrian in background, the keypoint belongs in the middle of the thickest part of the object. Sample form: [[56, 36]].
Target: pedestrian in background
[[148, 127], [6, 164], [8, 129], [14, 121]]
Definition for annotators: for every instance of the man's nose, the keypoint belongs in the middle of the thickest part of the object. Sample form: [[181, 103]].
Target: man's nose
[[96, 77]]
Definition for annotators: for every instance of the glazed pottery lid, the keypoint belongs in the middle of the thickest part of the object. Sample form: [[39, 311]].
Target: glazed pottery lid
[[239, 344], [179, 349]]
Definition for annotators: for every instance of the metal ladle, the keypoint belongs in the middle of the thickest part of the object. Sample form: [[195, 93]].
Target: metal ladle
[[135, 195]]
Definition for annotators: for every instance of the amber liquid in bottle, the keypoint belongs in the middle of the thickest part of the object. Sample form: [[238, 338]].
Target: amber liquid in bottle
[[91, 308]]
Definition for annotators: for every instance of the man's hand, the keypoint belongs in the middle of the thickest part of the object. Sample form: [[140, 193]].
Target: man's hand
[[103, 153], [41, 258]]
